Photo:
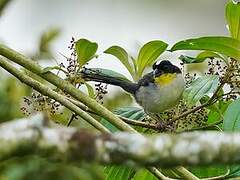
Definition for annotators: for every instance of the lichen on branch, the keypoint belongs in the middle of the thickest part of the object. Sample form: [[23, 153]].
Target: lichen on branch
[[38, 136]]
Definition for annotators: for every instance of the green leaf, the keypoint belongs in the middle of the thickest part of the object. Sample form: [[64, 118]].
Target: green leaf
[[128, 112], [149, 53], [134, 113], [119, 172], [231, 121], [234, 171], [208, 54], [200, 57], [45, 42], [90, 90], [225, 45], [144, 174], [200, 87], [85, 50], [105, 72], [47, 69], [122, 55], [232, 13], [208, 172], [217, 110]]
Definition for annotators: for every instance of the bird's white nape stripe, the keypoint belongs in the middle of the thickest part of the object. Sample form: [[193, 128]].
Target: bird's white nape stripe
[[157, 63]]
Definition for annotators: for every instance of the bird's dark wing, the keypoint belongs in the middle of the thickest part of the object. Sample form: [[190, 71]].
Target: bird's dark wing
[[146, 79]]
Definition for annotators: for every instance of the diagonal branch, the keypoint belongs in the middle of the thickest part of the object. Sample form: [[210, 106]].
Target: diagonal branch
[[52, 94]]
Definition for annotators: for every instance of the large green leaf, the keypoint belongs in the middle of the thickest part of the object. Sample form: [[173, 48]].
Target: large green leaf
[[128, 112], [232, 14], [118, 172], [144, 174], [208, 172], [231, 120], [200, 87], [225, 45], [85, 50], [122, 55], [149, 53], [217, 110], [200, 57]]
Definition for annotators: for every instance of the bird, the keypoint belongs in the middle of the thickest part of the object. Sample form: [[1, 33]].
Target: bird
[[157, 91]]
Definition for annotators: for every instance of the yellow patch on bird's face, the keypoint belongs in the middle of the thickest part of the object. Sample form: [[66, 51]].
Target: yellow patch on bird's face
[[165, 79]]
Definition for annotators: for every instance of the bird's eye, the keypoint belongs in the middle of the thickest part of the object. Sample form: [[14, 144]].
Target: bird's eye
[[166, 68]]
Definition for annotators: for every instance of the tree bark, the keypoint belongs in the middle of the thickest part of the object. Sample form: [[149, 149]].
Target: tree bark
[[38, 136]]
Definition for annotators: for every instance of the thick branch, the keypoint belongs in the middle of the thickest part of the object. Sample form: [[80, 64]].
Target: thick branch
[[63, 85], [35, 136]]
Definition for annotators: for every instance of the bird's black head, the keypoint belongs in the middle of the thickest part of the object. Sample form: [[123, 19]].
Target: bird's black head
[[163, 67]]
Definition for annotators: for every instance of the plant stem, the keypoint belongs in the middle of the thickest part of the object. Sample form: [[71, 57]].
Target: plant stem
[[138, 123], [63, 85]]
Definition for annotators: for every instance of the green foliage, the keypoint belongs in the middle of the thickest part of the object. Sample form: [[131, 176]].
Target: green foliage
[[199, 90], [45, 70], [217, 110], [40, 168], [90, 90], [149, 53], [200, 87], [231, 123], [119, 99], [46, 39], [144, 174], [123, 172], [200, 57], [118, 172], [232, 14], [122, 55], [205, 172], [232, 117], [85, 50], [128, 112], [3, 5], [225, 45], [11, 93]]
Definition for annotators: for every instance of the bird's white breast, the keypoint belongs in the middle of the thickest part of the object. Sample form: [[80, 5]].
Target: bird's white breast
[[155, 98]]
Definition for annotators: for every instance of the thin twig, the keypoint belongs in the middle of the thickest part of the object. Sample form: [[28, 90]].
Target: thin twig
[[139, 123]]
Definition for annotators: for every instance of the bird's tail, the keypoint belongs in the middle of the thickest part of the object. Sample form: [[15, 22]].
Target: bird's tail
[[96, 75]]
